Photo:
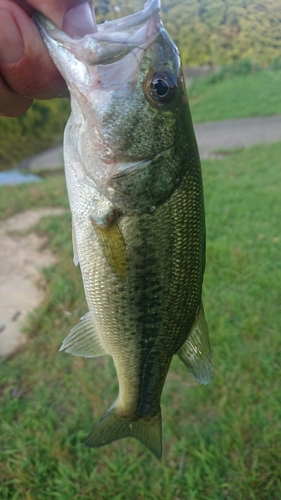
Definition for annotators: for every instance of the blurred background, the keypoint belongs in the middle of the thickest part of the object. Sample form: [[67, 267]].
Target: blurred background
[[222, 441], [243, 35]]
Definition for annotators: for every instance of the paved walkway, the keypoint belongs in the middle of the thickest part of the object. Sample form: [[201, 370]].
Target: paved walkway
[[231, 134], [23, 253]]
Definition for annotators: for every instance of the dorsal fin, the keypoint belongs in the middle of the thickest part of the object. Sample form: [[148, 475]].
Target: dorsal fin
[[195, 353]]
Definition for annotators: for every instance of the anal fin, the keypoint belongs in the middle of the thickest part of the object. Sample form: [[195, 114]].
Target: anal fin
[[83, 340], [195, 353]]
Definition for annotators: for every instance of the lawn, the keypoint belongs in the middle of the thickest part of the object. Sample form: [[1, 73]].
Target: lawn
[[236, 96], [222, 441]]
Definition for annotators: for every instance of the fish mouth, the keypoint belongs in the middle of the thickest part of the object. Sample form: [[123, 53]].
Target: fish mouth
[[112, 40]]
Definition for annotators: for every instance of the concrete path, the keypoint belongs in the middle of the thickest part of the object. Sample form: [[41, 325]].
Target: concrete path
[[52, 159], [22, 286], [232, 134]]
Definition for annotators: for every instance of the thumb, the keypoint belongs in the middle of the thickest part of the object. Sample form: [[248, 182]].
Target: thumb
[[75, 17]]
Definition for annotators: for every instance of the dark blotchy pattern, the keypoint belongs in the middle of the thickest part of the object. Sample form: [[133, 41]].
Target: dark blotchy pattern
[[145, 317]]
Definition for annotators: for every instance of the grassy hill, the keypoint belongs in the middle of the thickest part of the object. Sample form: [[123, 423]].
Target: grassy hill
[[236, 91]]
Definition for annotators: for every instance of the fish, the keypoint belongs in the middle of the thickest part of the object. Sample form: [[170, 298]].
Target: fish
[[135, 190]]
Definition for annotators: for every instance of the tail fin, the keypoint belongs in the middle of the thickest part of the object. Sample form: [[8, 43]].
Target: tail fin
[[112, 426]]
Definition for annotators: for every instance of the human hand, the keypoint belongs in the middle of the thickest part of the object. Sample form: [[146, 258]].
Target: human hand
[[26, 69]]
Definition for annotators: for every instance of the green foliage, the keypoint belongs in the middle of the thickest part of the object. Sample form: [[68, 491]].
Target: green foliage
[[39, 128], [236, 91], [240, 68], [276, 63], [214, 31], [220, 441]]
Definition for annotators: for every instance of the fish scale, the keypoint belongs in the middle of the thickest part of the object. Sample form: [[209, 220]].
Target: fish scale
[[135, 190]]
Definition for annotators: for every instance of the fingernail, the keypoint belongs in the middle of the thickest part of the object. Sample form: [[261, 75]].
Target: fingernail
[[11, 42], [80, 20]]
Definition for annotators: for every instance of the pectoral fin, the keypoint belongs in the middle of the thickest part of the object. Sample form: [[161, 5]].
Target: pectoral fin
[[195, 353], [83, 340], [113, 244]]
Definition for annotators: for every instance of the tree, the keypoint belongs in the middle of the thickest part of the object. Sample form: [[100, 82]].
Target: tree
[[213, 31]]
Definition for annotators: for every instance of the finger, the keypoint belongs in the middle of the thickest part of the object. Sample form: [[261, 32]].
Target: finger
[[25, 63], [11, 103], [75, 17], [24, 5]]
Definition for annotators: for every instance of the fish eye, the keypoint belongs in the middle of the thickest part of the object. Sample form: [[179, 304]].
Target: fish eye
[[162, 87]]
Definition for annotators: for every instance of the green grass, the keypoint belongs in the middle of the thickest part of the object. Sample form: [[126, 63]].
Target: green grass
[[236, 96], [221, 441], [41, 127], [50, 192]]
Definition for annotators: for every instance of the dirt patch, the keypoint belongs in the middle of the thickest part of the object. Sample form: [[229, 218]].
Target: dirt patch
[[21, 258]]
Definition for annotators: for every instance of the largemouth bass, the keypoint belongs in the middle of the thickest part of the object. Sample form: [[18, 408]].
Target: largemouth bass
[[135, 190]]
